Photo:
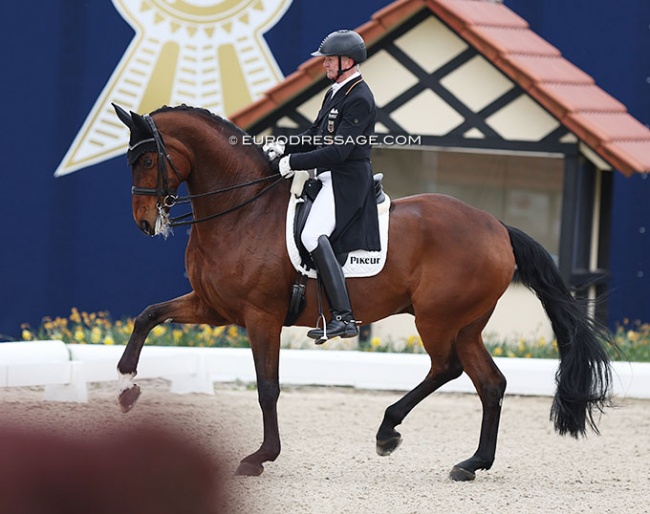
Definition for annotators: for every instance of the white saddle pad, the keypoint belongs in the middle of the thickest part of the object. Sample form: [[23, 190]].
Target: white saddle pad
[[360, 263]]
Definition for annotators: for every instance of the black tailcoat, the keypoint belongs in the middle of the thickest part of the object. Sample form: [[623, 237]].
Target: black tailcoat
[[339, 141]]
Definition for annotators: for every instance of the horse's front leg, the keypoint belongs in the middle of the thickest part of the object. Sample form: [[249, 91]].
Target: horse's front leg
[[184, 309], [265, 344]]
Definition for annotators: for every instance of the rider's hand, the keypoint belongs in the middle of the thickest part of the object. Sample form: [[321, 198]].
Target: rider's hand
[[283, 166], [273, 149]]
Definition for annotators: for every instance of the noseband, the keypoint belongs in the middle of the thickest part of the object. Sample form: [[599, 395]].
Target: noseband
[[166, 195]]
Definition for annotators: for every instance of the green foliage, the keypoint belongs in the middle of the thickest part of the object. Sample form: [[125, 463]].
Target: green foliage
[[98, 328], [633, 339]]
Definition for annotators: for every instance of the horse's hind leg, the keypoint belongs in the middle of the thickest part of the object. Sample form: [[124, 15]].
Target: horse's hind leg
[[490, 385], [445, 366], [184, 309]]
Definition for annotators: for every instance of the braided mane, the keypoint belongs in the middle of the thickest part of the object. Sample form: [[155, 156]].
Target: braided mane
[[211, 117], [202, 112]]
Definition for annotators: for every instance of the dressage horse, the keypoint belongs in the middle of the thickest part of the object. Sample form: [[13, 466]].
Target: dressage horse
[[447, 265]]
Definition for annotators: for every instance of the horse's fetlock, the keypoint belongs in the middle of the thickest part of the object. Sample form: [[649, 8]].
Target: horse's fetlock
[[125, 380]]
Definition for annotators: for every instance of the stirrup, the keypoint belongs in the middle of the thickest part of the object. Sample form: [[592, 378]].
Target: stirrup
[[320, 339], [345, 329]]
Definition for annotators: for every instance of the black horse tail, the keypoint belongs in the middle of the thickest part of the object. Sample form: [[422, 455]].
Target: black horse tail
[[584, 375]]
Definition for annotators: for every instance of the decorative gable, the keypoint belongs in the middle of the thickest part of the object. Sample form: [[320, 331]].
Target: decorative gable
[[469, 73]]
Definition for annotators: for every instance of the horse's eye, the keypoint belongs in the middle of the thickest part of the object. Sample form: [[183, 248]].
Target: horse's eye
[[146, 162]]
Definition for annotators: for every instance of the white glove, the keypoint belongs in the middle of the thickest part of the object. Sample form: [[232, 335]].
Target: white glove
[[285, 167], [273, 149]]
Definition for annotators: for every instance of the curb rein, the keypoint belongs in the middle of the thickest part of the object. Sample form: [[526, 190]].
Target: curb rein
[[167, 196]]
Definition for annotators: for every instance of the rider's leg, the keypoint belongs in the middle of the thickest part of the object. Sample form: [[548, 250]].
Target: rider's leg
[[342, 323], [320, 224], [322, 216]]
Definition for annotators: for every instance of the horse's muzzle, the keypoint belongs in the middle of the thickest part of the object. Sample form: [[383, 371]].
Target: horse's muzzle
[[146, 227]]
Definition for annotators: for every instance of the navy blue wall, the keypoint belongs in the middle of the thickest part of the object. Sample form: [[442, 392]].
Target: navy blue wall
[[70, 241]]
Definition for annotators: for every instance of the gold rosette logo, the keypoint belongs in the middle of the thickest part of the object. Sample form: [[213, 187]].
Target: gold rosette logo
[[204, 53]]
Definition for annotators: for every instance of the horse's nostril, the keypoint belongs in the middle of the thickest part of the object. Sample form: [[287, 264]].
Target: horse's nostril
[[145, 226]]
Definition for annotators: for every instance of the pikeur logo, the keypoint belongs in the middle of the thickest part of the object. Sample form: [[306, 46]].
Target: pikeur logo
[[364, 260]]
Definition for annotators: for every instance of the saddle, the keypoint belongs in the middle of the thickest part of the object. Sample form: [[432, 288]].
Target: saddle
[[303, 207]]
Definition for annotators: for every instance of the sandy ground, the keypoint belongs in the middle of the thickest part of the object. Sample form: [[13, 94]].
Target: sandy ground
[[329, 465]]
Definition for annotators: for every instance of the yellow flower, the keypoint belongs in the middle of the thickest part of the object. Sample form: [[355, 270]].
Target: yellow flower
[[159, 330], [79, 335], [413, 341], [127, 328], [109, 340], [177, 335], [27, 335], [233, 332], [74, 316], [375, 342], [498, 351], [95, 335]]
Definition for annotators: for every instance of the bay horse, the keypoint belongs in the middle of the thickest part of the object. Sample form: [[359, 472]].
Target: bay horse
[[447, 264]]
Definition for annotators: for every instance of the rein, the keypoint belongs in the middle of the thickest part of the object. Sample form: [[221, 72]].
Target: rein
[[176, 222], [167, 197]]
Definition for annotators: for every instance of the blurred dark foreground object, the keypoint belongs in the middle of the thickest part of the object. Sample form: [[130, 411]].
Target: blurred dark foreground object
[[140, 470]]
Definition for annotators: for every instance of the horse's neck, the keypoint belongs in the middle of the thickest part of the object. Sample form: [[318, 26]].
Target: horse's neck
[[220, 167]]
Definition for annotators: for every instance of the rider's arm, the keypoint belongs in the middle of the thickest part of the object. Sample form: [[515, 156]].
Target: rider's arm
[[349, 135]]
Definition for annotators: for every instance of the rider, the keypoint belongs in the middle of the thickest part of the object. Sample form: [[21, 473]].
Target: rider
[[343, 217]]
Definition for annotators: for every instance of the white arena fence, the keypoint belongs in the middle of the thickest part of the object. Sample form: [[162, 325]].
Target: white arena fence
[[65, 370]]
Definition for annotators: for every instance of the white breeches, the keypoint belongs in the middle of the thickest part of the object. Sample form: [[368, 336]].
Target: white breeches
[[322, 217]]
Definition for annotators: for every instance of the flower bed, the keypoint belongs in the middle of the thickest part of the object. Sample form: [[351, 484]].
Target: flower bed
[[632, 338]]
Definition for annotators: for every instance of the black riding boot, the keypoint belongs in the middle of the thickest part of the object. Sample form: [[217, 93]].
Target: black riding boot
[[342, 323]]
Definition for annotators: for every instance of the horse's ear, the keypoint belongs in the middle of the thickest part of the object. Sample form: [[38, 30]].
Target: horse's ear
[[140, 125], [140, 129], [124, 116]]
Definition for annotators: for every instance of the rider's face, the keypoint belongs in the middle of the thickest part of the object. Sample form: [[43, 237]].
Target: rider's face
[[331, 65]]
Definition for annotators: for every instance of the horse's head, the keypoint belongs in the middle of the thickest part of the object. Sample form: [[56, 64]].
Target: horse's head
[[158, 167]]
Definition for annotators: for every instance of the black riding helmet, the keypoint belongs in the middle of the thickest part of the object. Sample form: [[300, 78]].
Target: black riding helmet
[[343, 42]]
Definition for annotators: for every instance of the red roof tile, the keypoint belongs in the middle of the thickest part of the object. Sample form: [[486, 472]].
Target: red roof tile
[[506, 40], [527, 70], [563, 99]]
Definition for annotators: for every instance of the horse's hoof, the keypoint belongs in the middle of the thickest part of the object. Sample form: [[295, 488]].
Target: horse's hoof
[[388, 446], [461, 475], [247, 469], [128, 397]]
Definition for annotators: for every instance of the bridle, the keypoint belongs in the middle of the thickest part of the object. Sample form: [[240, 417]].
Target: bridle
[[167, 196]]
